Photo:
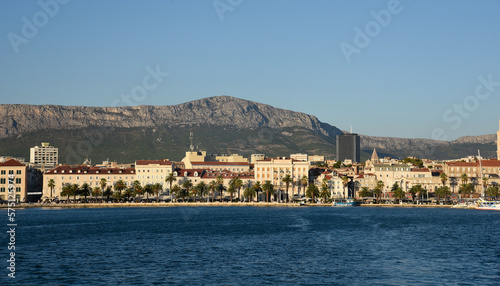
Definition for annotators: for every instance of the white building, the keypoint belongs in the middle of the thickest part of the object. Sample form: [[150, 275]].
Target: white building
[[153, 171], [44, 157]]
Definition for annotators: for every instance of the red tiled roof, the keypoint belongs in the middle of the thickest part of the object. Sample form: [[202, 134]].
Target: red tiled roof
[[420, 170], [228, 174], [66, 169], [190, 172], [163, 162], [220, 163], [12, 163]]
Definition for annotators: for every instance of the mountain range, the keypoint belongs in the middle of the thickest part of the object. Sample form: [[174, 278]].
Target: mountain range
[[221, 124]]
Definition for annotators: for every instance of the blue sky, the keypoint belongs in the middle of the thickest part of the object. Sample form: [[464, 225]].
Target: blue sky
[[423, 73]]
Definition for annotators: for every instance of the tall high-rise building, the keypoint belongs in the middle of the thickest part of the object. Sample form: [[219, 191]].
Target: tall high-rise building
[[498, 141], [348, 147], [44, 156]]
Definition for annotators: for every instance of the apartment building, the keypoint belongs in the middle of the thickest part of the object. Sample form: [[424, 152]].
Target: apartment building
[[153, 171], [14, 174]]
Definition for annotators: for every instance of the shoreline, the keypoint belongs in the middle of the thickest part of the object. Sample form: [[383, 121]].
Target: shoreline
[[205, 204]]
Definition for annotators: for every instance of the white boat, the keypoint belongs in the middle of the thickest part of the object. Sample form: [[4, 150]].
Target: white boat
[[487, 205]]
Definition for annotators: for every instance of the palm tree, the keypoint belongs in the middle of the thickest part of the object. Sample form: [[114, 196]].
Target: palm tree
[[443, 191], [85, 190], [413, 191], [249, 193], [345, 182], [103, 184], [156, 190], [492, 191], [378, 189], [399, 194], [237, 183], [128, 193], [443, 178], [148, 189], [212, 186], [267, 187], [96, 192], [187, 187], [66, 191], [257, 187], [138, 189], [485, 183], [107, 193], [312, 191], [120, 186], [220, 185], [304, 180], [324, 189], [287, 180], [201, 188], [464, 179], [170, 179], [231, 190], [365, 192], [75, 189], [51, 185], [175, 190], [466, 189]]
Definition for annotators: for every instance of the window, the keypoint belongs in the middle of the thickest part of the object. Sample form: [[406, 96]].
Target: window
[[18, 180], [2, 181], [18, 172], [2, 189], [11, 172], [18, 189]]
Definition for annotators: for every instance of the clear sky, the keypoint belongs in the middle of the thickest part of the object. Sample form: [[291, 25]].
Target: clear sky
[[418, 69]]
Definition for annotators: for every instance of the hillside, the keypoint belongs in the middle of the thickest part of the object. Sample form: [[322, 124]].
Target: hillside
[[220, 124]]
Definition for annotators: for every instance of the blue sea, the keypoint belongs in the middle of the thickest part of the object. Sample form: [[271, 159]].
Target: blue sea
[[254, 246]]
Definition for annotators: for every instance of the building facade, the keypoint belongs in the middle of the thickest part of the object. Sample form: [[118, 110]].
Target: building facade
[[13, 174], [348, 147], [44, 157], [275, 169], [153, 171]]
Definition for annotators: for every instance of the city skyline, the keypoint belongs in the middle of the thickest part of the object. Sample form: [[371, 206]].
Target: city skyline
[[403, 69]]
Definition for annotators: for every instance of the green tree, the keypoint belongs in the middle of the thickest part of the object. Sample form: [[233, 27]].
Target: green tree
[[464, 179], [443, 177], [442, 191], [257, 187], [312, 192], [365, 192], [75, 190], [148, 189], [399, 194], [220, 186], [176, 191], [325, 192], [186, 187], [267, 187], [414, 190], [103, 184], [170, 179], [85, 190], [466, 189], [287, 180], [51, 185], [236, 183], [129, 192], [96, 192], [108, 193], [157, 188], [303, 181], [213, 186], [249, 193], [66, 191], [378, 190], [138, 189], [201, 189], [120, 186], [492, 191]]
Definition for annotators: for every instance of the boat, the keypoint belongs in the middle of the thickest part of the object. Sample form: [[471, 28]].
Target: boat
[[346, 203], [483, 204]]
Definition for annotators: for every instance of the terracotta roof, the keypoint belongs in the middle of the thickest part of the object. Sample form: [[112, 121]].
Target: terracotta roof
[[163, 162], [66, 169], [228, 174], [12, 163], [220, 164], [189, 172], [420, 170]]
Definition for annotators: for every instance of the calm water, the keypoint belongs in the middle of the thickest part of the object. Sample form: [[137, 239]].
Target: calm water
[[256, 246]]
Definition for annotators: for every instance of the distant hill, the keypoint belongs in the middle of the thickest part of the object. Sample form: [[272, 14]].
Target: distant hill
[[220, 124]]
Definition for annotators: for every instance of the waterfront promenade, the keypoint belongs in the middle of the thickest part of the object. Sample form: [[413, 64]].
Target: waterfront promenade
[[205, 204]]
